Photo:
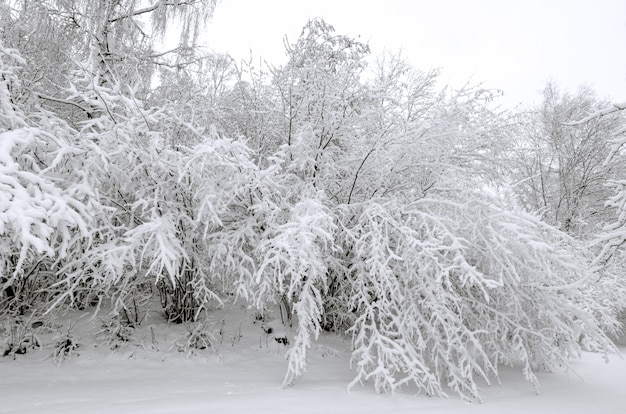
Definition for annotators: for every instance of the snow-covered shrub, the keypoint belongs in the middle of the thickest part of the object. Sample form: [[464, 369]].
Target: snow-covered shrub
[[293, 263], [610, 259], [65, 345], [608, 287], [198, 336], [115, 332], [45, 211], [446, 291], [21, 339], [218, 178], [161, 202], [133, 306]]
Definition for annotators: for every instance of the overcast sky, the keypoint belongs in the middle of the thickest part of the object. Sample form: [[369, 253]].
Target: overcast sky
[[516, 46]]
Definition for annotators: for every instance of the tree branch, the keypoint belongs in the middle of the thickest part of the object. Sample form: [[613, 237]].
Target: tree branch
[[150, 9], [602, 112], [64, 101]]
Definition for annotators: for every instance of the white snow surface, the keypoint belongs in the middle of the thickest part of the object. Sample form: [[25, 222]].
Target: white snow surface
[[244, 375]]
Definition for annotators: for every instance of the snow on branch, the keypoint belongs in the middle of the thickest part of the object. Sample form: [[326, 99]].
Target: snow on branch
[[613, 235], [600, 113], [33, 207], [294, 264]]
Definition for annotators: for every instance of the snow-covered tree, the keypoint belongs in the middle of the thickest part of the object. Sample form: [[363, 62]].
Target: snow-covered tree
[[444, 291], [613, 235], [560, 169], [321, 96]]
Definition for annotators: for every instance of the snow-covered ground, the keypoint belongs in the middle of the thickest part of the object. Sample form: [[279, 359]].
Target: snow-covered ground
[[245, 372]]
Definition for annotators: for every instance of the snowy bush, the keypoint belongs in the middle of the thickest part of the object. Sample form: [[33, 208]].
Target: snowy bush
[[115, 332], [446, 291], [22, 338], [65, 345], [45, 211], [294, 265], [161, 203], [198, 336]]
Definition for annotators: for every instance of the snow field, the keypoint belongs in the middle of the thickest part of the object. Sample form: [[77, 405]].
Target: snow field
[[244, 373]]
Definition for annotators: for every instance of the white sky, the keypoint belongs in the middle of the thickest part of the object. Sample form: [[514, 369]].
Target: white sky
[[516, 46]]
